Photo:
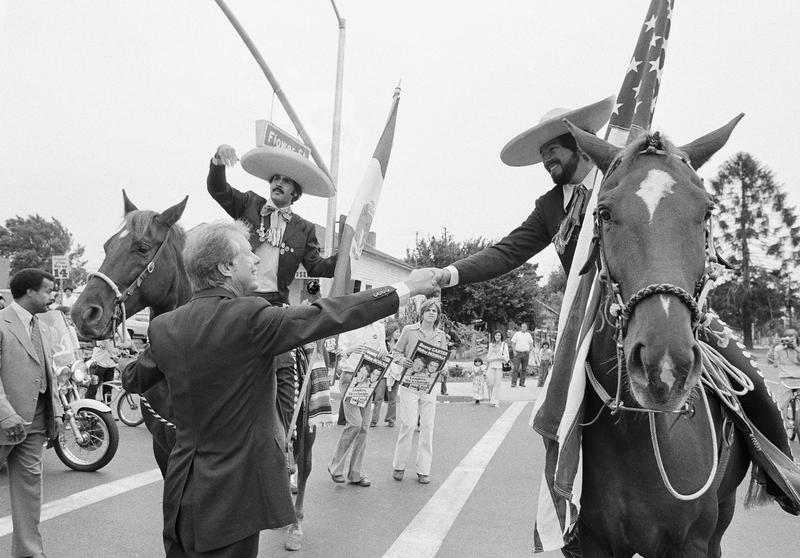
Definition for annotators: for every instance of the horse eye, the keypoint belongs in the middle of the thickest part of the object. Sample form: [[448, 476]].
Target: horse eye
[[142, 249], [604, 214]]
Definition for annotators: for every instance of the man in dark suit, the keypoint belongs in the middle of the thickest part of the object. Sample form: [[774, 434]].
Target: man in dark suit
[[279, 236], [27, 403], [226, 477]]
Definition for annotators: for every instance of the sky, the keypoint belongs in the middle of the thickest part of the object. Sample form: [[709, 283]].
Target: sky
[[101, 96]]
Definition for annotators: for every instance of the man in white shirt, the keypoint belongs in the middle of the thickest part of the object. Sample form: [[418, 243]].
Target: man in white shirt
[[522, 343]]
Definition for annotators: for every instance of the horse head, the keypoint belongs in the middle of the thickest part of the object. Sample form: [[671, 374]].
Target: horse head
[[651, 225], [143, 261]]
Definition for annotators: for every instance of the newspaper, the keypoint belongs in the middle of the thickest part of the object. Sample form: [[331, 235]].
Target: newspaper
[[427, 362], [368, 372]]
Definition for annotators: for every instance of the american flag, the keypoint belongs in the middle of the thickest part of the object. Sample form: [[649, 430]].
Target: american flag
[[558, 414]]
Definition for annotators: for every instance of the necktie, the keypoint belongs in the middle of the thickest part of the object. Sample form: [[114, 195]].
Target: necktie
[[36, 337], [573, 219], [269, 231]]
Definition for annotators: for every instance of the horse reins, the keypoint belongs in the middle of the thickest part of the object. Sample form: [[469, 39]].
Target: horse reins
[[715, 370]]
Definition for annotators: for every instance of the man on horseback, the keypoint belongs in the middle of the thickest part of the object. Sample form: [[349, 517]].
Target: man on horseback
[[557, 218], [279, 236]]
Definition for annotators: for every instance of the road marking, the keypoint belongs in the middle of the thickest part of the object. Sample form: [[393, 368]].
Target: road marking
[[88, 497], [424, 535]]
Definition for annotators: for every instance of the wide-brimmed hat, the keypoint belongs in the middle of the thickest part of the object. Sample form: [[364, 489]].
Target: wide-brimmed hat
[[266, 162], [523, 150]]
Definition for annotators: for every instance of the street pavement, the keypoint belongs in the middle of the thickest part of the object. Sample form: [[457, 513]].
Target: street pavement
[[481, 501]]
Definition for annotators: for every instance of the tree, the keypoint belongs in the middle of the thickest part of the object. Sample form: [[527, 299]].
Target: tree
[[33, 240], [759, 233], [497, 302]]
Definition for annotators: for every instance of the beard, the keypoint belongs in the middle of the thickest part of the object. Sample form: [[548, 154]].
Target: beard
[[563, 174]]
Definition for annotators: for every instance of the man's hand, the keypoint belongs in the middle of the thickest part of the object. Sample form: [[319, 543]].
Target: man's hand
[[422, 282], [225, 155], [442, 277], [14, 427]]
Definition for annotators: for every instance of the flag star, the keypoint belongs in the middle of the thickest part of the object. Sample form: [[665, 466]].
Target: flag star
[[654, 65], [616, 108], [650, 23], [658, 73], [634, 65], [637, 106], [654, 39], [636, 89]]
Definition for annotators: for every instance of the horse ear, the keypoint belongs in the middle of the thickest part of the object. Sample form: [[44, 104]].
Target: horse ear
[[171, 216], [598, 150], [127, 203], [701, 149]]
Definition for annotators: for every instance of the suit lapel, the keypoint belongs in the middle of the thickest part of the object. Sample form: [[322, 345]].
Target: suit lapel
[[21, 333], [292, 229]]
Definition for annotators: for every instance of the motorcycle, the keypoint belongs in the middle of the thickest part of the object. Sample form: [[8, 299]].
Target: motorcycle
[[88, 436]]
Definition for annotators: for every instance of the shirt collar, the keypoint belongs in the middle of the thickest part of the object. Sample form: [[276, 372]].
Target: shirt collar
[[568, 189], [24, 315]]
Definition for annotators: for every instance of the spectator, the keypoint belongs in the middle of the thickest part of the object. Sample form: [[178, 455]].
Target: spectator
[[27, 403], [478, 379], [415, 405], [353, 439], [68, 299], [545, 362], [521, 343], [496, 355], [388, 386]]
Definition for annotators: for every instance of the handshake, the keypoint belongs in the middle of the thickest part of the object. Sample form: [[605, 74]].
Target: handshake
[[428, 281]]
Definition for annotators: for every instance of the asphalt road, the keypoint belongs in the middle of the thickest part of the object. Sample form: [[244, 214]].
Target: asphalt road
[[481, 501]]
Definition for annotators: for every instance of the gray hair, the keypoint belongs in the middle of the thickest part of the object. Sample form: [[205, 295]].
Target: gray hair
[[208, 245]]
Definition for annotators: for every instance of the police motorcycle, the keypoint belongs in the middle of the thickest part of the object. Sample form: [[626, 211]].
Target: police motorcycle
[[87, 434]]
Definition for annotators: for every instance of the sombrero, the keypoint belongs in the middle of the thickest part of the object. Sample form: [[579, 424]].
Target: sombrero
[[266, 162], [523, 150]]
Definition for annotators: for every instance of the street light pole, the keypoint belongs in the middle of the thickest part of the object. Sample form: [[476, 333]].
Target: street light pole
[[330, 223]]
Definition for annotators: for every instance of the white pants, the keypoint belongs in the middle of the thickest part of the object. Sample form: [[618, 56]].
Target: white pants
[[493, 378], [413, 404]]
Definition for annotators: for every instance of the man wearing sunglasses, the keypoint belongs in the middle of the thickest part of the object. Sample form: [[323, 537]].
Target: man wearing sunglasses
[[278, 236]]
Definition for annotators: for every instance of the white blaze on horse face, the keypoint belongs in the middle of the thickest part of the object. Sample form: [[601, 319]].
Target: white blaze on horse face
[[664, 304], [123, 234], [656, 186]]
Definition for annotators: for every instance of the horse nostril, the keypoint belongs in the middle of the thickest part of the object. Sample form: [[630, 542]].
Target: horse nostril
[[635, 360], [92, 313]]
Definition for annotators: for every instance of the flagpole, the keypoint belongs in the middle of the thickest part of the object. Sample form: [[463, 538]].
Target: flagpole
[[276, 87]]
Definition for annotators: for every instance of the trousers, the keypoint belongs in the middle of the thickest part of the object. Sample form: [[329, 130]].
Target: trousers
[[413, 405]]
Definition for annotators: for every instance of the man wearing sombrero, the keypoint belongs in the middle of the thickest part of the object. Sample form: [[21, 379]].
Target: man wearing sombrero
[[558, 213], [279, 237], [557, 218]]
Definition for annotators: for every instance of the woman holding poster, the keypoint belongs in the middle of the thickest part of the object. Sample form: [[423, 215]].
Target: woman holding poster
[[415, 399], [352, 346]]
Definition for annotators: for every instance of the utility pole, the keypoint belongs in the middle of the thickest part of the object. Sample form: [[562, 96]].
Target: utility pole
[[330, 222]]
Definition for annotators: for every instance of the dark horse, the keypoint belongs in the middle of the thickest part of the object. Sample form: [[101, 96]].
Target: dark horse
[[143, 261], [661, 481]]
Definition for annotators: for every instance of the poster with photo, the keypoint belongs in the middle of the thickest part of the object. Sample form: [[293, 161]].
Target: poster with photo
[[368, 372], [427, 362]]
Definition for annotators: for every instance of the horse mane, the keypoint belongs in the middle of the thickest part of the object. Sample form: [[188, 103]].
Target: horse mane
[[138, 223], [649, 142]]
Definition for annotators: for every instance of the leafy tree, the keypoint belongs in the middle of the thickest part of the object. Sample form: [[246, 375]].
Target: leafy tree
[[32, 241], [497, 301], [759, 233]]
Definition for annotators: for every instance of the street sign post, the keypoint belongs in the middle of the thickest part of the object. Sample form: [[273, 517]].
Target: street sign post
[[270, 135]]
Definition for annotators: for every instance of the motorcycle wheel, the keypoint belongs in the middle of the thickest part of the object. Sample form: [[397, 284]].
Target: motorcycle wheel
[[100, 448], [129, 409]]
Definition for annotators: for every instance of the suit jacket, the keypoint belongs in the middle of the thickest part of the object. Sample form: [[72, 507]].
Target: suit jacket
[[20, 373], [216, 353], [521, 244], [300, 236]]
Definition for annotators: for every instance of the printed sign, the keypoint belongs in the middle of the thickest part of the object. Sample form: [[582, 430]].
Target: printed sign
[[270, 135]]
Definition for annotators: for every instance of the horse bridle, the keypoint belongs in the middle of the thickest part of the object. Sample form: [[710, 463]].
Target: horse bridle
[[121, 297]]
